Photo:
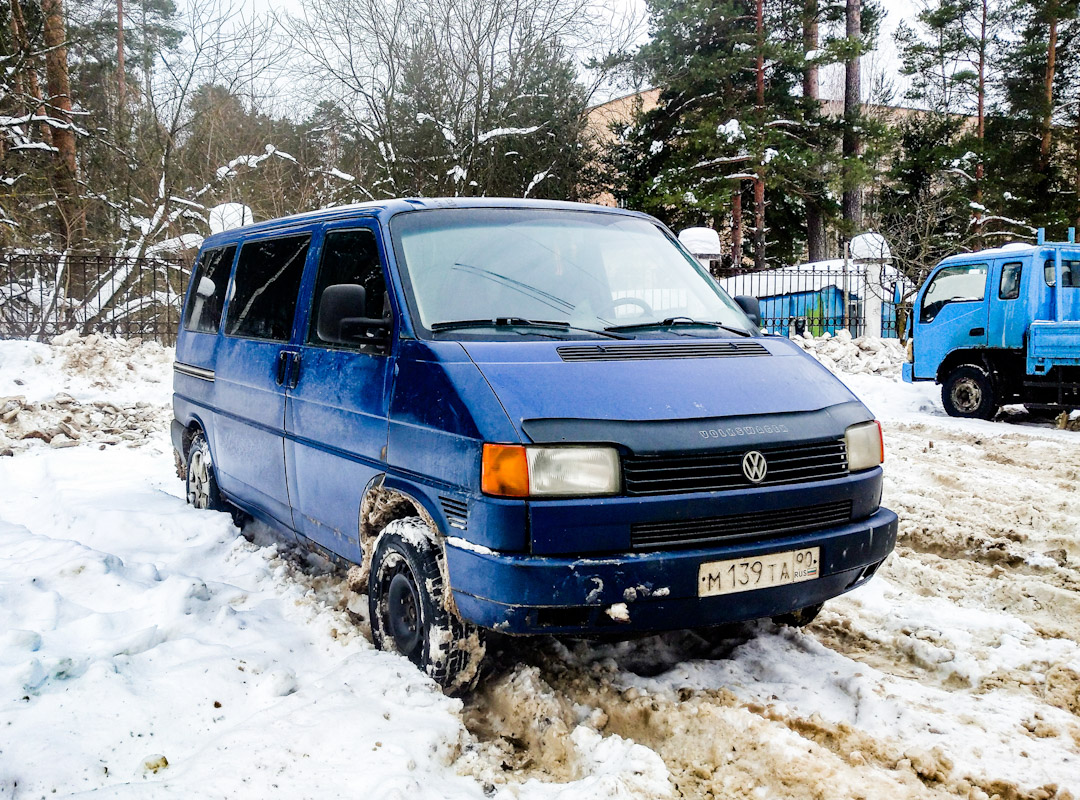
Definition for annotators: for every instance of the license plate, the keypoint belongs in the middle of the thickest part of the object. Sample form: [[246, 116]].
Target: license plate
[[762, 572]]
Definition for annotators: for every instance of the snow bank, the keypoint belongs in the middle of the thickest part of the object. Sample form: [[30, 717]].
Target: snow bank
[[92, 389], [866, 355], [87, 368]]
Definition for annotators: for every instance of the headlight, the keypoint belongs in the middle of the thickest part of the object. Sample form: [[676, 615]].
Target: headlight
[[865, 446], [516, 471]]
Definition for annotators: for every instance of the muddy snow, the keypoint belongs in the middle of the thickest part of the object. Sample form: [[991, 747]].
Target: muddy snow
[[149, 650]]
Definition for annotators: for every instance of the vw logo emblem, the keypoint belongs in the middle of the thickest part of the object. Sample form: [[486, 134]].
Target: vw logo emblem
[[754, 466]]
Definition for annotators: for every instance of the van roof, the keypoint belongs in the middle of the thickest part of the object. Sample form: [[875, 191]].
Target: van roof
[[384, 209]]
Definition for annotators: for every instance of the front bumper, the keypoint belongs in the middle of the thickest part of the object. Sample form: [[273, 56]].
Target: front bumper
[[530, 594]]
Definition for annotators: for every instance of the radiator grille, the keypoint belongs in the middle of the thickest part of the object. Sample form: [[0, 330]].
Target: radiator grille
[[736, 527], [717, 471], [660, 350], [457, 512]]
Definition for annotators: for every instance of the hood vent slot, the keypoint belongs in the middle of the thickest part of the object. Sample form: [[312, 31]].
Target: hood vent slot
[[660, 350], [456, 511]]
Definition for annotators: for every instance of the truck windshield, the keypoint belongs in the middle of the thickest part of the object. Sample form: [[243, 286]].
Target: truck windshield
[[587, 270]]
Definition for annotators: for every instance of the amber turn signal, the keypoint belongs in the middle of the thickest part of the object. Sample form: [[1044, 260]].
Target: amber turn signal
[[505, 471]]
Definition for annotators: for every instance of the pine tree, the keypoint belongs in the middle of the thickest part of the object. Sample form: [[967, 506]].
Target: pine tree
[[1029, 167], [704, 144], [947, 56]]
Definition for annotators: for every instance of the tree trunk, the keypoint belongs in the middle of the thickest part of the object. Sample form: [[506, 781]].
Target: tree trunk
[[1076, 183], [121, 78], [736, 228], [1048, 92], [980, 128], [759, 182], [18, 30], [56, 73], [815, 217], [852, 201]]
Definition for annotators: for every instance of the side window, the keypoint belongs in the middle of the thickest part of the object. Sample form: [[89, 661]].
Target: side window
[[209, 282], [1010, 280], [953, 285], [264, 295], [1070, 273], [350, 257]]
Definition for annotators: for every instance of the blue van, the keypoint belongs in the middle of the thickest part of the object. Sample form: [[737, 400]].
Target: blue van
[[520, 416]]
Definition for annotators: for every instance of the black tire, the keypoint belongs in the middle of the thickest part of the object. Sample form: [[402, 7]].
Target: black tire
[[968, 392], [408, 608], [799, 618], [201, 485]]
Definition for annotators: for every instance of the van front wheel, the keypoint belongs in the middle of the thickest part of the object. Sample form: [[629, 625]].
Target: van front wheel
[[408, 607], [969, 392]]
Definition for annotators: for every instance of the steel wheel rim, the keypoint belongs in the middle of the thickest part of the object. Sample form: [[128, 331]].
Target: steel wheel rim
[[403, 613], [200, 480], [967, 394]]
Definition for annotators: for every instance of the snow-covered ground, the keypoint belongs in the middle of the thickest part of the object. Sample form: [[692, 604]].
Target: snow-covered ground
[[149, 650]]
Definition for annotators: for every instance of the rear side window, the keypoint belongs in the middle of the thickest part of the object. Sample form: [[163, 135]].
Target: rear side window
[[350, 257], [1070, 273], [264, 295], [953, 285], [208, 285], [1010, 280]]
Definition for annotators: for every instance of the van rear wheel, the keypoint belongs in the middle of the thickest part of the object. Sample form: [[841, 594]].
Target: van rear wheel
[[202, 488], [408, 605], [969, 392]]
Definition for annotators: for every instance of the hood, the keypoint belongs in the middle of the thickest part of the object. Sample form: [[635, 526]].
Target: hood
[[535, 383]]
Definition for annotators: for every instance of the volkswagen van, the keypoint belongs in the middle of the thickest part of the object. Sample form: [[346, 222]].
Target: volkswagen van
[[520, 416]]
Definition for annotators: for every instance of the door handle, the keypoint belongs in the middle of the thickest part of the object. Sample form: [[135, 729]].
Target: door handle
[[293, 372], [282, 366], [977, 332]]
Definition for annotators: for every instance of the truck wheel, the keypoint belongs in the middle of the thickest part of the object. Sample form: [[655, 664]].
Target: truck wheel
[[407, 606], [202, 488], [968, 392], [799, 618]]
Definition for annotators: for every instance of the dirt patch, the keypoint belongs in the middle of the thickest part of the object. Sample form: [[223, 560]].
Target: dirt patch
[[65, 422], [714, 744]]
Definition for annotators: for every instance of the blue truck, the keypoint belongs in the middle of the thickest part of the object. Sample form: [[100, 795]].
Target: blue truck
[[524, 417], [1000, 326]]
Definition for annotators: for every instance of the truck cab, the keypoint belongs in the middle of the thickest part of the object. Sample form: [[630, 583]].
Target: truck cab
[[1000, 326]]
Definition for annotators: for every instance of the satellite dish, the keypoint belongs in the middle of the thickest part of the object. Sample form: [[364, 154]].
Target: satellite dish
[[870, 246]]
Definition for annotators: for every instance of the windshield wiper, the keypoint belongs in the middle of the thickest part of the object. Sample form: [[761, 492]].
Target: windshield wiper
[[518, 322], [672, 322]]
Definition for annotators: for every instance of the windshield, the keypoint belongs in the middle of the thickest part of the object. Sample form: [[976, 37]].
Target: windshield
[[587, 270]]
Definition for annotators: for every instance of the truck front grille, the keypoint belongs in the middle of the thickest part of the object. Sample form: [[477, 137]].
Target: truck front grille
[[736, 527], [718, 471]]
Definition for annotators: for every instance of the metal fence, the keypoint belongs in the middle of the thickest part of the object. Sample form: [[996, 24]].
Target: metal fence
[[825, 298], [45, 294]]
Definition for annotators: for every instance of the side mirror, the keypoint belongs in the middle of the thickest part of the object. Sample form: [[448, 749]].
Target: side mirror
[[751, 307], [206, 287], [338, 320]]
